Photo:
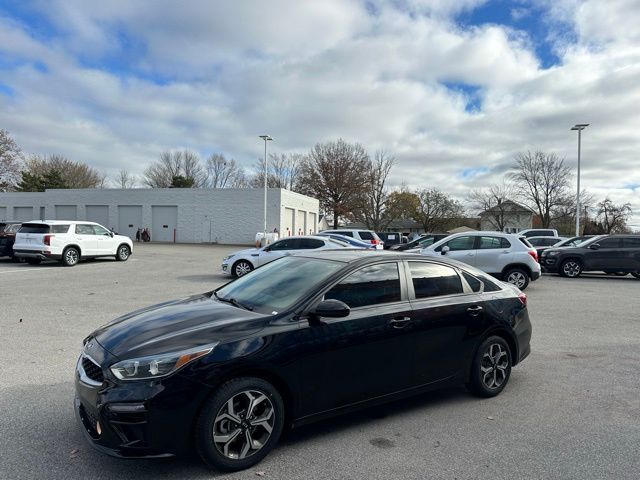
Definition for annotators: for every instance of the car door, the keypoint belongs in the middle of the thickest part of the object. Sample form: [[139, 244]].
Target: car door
[[607, 256], [631, 249], [105, 241], [364, 355], [87, 239], [446, 312], [461, 249], [276, 250], [493, 253]]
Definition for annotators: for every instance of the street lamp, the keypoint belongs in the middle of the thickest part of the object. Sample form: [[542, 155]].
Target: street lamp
[[266, 139], [579, 127]]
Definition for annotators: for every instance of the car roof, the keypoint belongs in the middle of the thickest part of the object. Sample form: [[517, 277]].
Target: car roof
[[348, 230], [59, 222], [549, 236]]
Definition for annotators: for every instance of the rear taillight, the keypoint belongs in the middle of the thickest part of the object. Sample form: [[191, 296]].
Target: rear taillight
[[523, 299], [534, 254], [47, 239], [375, 242]]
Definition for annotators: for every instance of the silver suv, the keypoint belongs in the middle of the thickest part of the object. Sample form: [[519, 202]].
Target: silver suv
[[509, 257]]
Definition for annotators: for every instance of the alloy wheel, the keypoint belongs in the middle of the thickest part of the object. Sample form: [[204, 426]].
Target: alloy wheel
[[517, 278], [571, 269], [243, 424], [242, 268], [123, 252], [494, 366], [71, 256]]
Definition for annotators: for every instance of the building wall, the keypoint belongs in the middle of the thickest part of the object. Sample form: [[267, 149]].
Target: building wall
[[227, 216], [514, 222]]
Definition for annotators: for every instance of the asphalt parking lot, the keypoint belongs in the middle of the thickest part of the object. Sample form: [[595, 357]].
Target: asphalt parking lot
[[570, 411]]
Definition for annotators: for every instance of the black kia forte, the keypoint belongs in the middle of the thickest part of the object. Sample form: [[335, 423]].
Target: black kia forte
[[302, 338]]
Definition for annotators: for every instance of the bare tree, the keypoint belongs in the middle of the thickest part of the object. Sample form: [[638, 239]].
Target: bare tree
[[436, 210], [613, 217], [224, 173], [175, 164], [125, 179], [375, 214], [11, 159], [542, 181], [336, 173], [73, 174], [496, 201], [282, 171]]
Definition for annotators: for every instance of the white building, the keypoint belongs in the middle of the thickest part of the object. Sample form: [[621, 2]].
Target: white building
[[186, 215]]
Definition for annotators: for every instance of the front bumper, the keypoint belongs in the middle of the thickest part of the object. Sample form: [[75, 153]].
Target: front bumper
[[549, 264], [142, 419]]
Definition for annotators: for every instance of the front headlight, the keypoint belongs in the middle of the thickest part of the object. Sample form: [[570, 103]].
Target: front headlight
[[227, 258], [552, 253], [157, 366]]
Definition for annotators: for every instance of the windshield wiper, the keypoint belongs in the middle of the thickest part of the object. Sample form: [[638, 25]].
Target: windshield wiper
[[233, 302]]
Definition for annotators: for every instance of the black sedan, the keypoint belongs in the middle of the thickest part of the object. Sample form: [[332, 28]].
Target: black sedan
[[302, 338]]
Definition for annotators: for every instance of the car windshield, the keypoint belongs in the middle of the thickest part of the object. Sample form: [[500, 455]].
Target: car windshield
[[278, 285], [589, 241]]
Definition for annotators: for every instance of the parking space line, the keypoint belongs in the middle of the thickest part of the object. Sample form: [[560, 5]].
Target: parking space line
[[18, 270]]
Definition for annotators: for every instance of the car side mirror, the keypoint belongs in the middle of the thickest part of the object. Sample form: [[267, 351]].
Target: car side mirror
[[111, 234], [331, 309], [595, 246], [444, 250]]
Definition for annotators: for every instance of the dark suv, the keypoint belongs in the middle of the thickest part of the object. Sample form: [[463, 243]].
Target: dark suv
[[8, 232], [605, 253]]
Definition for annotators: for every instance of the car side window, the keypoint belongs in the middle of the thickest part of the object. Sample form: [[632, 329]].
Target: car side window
[[59, 228], [474, 283], [309, 243], [366, 235], [609, 243], [368, 286], [82, 229], [348, 234], [100, 230], [489, 243], [632, 242], [434, 280], [461, 243]]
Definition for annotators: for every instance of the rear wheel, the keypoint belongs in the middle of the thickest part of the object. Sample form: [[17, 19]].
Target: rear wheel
[[491, 367], [240, 424], [571, 268], [70, 257], [517, 277], [33, 261], [123, 252]]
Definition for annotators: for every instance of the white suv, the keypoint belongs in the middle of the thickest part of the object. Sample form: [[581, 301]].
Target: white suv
[[69, 242], [367, 236], [509, 257]]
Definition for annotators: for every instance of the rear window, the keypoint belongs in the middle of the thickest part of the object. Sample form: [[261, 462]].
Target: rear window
[[34, 228], [366, 235]]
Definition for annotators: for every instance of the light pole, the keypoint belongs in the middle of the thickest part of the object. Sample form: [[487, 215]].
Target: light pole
[[266, 139], [579, 127]]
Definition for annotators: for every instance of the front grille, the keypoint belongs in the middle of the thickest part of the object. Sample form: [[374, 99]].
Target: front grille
[[91, 370]]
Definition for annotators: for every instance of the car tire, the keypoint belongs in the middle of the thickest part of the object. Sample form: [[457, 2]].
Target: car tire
[[491, 367], [241, 267], [570, 268], [228, 432], [70, 257], [636, 274], [517, 276], [33, 261], [123, 252]]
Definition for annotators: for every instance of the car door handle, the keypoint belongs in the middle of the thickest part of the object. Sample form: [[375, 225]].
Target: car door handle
[[400, 322], [475, 310]]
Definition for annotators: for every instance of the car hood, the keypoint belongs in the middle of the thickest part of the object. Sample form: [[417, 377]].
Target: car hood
[[175, 326], [246, 251]]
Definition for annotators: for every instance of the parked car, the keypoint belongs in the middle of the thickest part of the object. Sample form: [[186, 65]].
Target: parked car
[[565, 242], [604, 253], [509, 257], [350, 240], [8, 232], [359, 234], [311, 335], [390, 238], [240, 263], [542, 243], [420, 242], [538, 232], [69, 242]]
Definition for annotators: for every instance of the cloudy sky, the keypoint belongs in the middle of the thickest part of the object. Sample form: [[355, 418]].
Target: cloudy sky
[[452, 89]]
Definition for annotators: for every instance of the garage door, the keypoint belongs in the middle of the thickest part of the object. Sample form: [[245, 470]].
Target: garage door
[[301, 223], [3, 213], [312, 223], [98, 214], [289, 221], [66, 212], [164, 220], [129, 220], [23, 214]]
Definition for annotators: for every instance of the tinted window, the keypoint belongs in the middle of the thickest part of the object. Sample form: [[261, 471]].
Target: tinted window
[[633, 242], [550, 241], [100, 230], [348, 234], [82, 229], [539, 233], [525, 242], [366, 235], [489, 286], [609, 243], [433, 280], [12, 228], [493, 242], [474, 283], [60, 228], [287, 244], [309, 243], [536, 242], [34, 228], [368, 286], [461, 243]]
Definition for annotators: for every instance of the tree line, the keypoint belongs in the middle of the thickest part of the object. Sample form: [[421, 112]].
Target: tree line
[[350, 184]]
